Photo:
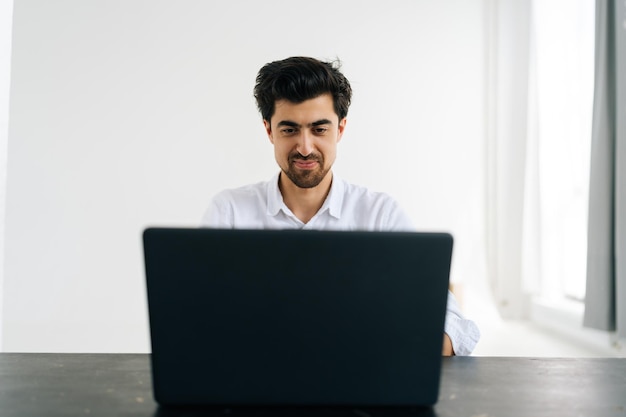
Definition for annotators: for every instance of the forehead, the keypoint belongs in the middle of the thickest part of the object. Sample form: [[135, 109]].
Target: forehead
[[320, 107]]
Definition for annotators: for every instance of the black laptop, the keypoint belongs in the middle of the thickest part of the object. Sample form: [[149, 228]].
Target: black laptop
[[296, 318]]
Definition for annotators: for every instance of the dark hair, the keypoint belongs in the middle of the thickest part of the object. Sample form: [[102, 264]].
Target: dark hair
[[297, 79]]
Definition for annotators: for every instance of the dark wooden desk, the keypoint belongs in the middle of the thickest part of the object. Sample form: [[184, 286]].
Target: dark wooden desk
[[38, 385]]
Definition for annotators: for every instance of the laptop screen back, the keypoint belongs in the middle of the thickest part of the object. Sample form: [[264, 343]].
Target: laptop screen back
[[261, 317]]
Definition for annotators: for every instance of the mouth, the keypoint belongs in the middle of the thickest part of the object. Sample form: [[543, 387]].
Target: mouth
[[305, 164]]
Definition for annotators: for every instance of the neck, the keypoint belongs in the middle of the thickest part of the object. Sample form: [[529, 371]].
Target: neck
[[304, 203]]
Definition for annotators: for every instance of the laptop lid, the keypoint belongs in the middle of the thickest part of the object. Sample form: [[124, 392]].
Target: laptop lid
[[288, 317]]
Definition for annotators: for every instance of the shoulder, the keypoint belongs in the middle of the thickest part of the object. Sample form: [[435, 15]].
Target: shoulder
[[373, 210], [229, 206], [239, 195], [363, 195]]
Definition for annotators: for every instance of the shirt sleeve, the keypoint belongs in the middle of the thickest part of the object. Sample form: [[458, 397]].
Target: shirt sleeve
[[463, 333]]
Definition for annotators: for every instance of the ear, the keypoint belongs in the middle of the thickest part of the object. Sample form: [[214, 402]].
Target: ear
[[342, 126], [268, 129]]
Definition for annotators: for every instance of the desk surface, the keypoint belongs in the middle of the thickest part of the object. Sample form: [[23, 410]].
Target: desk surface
[[119, 385]]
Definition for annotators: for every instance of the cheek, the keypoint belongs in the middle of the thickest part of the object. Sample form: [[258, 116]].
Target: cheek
[[280, 150], [330, 151], [331, 145]]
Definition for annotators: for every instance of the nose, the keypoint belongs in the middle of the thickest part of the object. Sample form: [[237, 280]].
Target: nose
[[305, 144]]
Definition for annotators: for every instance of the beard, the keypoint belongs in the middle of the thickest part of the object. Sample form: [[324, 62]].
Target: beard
[[306, 178]]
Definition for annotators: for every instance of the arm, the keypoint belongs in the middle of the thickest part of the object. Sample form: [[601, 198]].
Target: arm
[[462, 333], [447, 346]]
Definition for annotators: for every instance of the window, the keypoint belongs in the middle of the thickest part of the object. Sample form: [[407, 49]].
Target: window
[[560, 115]]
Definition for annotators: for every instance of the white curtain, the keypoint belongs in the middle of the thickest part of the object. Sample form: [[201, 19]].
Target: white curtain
[[538, 145], [557, 149], [508, 23]]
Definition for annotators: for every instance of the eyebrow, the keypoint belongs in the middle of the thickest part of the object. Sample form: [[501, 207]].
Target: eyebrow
[[313, 124]]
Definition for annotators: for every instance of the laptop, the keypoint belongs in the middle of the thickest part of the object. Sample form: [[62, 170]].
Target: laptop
[[296, 318]]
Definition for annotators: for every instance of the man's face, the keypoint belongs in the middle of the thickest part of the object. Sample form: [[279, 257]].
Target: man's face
[[305, 137]]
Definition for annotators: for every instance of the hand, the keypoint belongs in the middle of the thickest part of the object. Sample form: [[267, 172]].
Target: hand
[[447, 346]]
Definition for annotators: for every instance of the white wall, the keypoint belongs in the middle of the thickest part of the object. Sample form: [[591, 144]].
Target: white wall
[[133, 113]]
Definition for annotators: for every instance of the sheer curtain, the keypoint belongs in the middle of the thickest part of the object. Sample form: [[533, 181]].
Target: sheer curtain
[[541, 83], [557, 149], [605, 306], [506, 106]]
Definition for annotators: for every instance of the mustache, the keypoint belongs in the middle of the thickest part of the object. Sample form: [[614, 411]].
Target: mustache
[[310, 157]]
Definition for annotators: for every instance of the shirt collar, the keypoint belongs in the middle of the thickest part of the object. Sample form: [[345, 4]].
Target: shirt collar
[[333, 202], [274, 197]]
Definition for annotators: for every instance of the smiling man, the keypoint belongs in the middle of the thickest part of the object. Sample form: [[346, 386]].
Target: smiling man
[[305, 137], [304, 103]]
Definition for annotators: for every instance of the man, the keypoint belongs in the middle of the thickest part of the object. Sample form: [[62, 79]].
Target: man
[[304, 103]]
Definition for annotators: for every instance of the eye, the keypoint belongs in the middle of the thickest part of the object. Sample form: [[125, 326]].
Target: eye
[[288, 131], [320, 130]]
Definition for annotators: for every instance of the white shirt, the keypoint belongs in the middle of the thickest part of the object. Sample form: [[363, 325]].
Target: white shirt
[[347, 207]]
